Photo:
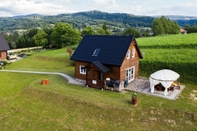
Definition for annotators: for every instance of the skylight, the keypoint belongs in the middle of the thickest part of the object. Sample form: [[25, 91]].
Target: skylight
[[96, 51]]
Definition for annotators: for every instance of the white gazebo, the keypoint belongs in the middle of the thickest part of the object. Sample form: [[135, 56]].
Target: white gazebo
[[166, 77]]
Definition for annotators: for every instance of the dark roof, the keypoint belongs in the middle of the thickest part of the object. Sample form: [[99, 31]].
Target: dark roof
[[3, 43], [100, 66], [111, 49]]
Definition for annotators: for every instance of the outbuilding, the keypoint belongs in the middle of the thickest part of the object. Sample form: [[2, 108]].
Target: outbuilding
[[4, 47]]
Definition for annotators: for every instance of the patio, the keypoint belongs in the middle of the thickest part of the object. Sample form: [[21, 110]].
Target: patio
[[142, 85]]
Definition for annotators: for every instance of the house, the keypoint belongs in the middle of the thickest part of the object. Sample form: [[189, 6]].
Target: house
[[4, 47], [100, 58], [182, 31]]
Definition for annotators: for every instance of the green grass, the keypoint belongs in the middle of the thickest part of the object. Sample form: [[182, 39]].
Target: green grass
[[173, 41], [175, 52], [49, 60], [61, 106], [25, 104]]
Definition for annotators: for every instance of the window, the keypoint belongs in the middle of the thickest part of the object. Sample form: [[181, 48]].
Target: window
[[133, 53], [82, 69], [96, 51], [128, 54], [130, 74], [100, 75], [94, 82]]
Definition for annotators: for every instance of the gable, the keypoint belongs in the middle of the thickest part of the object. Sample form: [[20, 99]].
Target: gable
[[3, 43], [109, 50]]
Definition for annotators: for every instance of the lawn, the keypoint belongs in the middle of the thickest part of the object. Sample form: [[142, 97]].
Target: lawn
[[175, 52], [28, 105], [25, 104], [46, 60]]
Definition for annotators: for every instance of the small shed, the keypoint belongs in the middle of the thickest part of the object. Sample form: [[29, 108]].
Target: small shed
[[182, 31], [4, 47]]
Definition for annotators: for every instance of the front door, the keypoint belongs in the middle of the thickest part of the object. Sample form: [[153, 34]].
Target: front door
[[130, 74]]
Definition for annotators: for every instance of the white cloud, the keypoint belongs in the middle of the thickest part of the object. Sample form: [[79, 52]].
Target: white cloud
[[142, 7], [21, 7], [106, 2]]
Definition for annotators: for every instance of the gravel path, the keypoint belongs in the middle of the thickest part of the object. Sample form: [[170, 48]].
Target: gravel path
[[70, 79]]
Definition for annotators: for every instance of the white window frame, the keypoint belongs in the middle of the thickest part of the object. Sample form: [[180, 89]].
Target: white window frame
[[128, 54], [133, 53], [94, 82], [82, 69], [130, 74]]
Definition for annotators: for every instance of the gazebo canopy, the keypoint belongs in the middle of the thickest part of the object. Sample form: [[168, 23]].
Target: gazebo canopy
[[166, 77]]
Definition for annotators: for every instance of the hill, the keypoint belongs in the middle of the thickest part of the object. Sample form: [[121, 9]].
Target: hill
[[78, 20], [116, 21]]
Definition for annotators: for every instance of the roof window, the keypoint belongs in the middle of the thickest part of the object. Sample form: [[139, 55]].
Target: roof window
[[96, 51]]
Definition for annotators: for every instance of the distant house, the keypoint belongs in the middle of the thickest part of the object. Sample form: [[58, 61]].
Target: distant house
[[182, 31], [4, 47], [99, 58]]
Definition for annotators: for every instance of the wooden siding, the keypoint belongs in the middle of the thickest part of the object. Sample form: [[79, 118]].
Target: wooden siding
[[114, 73], [93, 78], [3, 55], [127, 63], [77, 70]]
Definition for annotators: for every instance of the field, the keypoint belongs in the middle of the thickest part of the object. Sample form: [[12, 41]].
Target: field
[[176, 52], [25, 104]]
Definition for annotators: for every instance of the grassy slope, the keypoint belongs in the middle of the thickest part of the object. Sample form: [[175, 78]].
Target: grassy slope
[[176, 52], [55, 60], [25, 104], [60, 106]]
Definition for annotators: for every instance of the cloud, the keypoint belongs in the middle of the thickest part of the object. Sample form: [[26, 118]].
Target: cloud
[[105, 2], [22, 7], [143, 7], [179, 9]]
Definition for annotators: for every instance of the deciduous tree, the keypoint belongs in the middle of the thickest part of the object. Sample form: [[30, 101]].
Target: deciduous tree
[[88, 31], [64, 35], [132, 31], [41, 38]]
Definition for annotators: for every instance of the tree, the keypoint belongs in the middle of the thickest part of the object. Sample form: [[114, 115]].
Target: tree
[[157, 27], [87, 31], [188, 28], [176, 28], [32, 32], [104, 27], [133, 32], [41, 38], [162, 26], [104, 30], [20, 43], [64, 35], [49, 31]]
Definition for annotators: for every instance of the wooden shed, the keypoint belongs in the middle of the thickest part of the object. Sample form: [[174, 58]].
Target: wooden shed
[[98, 58], [4, 47]]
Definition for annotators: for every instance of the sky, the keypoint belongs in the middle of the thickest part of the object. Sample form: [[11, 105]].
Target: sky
[[135, 7]]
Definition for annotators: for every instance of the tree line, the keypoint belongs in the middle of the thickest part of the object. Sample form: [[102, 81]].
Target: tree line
[[162, 26], [191, 29], [62, 35]]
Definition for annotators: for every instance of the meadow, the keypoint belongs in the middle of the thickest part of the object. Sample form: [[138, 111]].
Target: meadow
[[175, 52], [25, 104]]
